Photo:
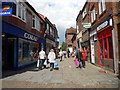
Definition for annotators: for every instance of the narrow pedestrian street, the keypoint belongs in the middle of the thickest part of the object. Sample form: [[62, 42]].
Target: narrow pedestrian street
[[67, 76]]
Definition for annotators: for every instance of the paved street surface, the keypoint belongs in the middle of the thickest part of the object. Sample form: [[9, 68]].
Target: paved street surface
[[68, 76]]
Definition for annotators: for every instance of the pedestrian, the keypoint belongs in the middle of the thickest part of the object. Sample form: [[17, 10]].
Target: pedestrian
[[61, 55], [68, 53], [79, 56], [42, 57], [64, 54], [51, 57]]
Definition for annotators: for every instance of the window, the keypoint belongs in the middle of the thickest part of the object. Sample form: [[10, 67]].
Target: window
[[106, 45], [33, 21], [37, 24], [110, 47], [93, 15], [105, 48], [21, 11], [26, 51], [84, 13], [14, 9], [102, 6]]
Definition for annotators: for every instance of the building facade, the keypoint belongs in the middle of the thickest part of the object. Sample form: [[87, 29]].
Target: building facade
[[22, 35], [51, 36], [70, 32], [104, 33]]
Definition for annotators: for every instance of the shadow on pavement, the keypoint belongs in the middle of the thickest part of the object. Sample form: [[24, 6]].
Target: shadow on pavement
[[6, 73]]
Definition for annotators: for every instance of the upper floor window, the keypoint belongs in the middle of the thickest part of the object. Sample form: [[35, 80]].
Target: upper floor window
[[14, 9], [102, 6], [21, 11], [47, 31], [93, 15], [37, 24], [84, 13], [33, 21]]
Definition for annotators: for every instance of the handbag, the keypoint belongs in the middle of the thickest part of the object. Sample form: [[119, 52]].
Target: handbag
[[56, 64], [45, 63], [76, 62], [38, 62]]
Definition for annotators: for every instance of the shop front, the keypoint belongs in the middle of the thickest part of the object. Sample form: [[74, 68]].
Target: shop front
[[93, 39], [19, 47], [105, 45]]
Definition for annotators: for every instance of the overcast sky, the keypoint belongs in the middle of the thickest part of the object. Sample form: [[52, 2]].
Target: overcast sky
[[63, 13]]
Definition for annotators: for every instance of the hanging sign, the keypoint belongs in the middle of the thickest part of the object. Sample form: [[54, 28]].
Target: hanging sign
[[86, 25], [6, 9]]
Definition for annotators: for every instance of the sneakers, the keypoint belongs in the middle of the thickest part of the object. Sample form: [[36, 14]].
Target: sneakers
[[51, 69]]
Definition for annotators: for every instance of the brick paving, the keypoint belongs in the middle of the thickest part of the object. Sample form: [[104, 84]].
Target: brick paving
[[68, 76]]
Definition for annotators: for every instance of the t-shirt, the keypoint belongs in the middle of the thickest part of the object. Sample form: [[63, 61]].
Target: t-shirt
[[42, 54]]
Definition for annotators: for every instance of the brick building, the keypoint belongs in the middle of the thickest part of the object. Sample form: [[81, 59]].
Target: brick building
[[70, 32], [103, 33], [23, 33]]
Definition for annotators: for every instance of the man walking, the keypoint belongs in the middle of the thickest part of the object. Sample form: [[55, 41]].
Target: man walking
[[42, 56], [79, 56]]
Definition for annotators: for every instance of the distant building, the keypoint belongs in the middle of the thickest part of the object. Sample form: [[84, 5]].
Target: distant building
[[70, 32]]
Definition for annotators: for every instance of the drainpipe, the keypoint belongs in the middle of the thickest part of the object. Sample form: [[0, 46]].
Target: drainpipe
[[114, 49]]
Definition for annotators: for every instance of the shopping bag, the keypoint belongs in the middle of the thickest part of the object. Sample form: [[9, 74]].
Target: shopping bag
[[45, 63], [56, 64], [38, 62], [76, 62]]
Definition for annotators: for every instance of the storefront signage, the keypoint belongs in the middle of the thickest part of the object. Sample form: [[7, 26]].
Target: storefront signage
[[92, 32], [6, 9], [29, 36], [86, 25], [103, 25]]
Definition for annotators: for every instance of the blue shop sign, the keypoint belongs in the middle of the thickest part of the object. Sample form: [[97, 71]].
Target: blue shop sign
[[6, 9], [105, 24]]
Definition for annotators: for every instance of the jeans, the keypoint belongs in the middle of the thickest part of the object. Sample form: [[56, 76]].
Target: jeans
[[41, 63], [79, 63], [83, 63]]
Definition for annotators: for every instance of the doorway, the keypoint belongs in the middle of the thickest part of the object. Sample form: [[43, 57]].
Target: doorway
[[8, 52]]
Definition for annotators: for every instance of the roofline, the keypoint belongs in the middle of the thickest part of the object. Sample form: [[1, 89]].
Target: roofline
[[34, 10]]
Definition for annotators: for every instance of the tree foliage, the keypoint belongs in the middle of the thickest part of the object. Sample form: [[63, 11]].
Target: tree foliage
[[63, 47]]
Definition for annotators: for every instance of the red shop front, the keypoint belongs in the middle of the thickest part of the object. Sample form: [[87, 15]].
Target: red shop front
[[105, 47]]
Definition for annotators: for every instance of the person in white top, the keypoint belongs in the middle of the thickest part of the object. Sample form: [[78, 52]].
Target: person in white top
[[61, 55], [42, 57], [51, 57]]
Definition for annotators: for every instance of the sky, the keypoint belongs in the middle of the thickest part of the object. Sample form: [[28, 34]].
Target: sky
[[63, 13]]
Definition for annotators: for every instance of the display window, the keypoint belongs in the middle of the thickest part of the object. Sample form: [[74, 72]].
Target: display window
[[26, 51], [105, 45]]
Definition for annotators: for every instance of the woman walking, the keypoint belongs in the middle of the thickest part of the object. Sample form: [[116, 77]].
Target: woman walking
[[51, 57]]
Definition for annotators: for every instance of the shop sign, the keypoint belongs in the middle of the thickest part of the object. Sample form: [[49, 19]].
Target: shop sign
[[6, 9], [92, 33], [103, 25], [30, 37], [86, 25]]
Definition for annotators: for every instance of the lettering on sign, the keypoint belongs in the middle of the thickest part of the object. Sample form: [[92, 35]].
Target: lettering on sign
[[103, 25], [31, 37]]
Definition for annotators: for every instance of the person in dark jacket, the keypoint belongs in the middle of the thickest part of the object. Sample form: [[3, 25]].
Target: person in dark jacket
[[79, 56]]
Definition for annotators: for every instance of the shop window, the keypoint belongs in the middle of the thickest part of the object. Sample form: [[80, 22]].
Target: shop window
[[105, 48], [26, 51], [110, 47]]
